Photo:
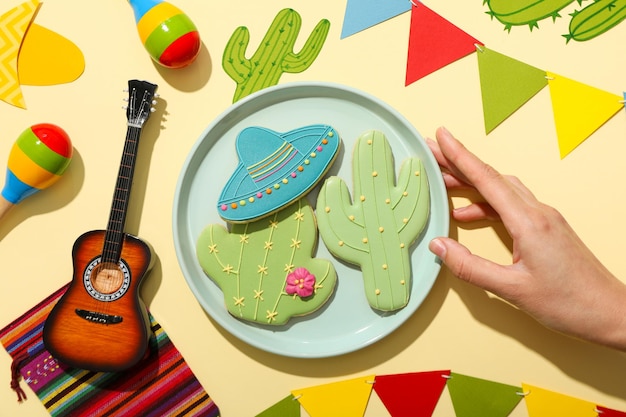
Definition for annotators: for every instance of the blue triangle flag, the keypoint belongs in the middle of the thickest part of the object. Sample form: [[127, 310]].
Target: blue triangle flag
[[363, 14]]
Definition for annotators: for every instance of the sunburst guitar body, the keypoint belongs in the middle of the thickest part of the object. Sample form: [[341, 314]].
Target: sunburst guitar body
[[101, 323]]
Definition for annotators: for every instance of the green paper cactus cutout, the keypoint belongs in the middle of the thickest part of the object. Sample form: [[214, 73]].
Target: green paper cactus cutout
[[375, 228], [525, 12], [595, 19], [251, 263], [275, 54], [587, 23]]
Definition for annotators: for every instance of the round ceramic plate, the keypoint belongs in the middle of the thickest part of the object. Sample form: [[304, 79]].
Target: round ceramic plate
[[346, 322]]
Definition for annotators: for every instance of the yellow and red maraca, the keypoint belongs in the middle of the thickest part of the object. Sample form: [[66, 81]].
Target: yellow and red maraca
[[37, 159], [168, 34]]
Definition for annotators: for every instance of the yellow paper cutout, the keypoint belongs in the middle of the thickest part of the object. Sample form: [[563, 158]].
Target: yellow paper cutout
[[544, 403], [579, 110], [347, 398], [13, 27], [47, 58]]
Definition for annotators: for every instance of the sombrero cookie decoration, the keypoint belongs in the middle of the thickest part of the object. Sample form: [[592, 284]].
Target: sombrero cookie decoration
[[275, 169]]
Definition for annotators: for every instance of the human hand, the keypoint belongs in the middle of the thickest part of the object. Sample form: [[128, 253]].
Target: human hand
[[553, 276]]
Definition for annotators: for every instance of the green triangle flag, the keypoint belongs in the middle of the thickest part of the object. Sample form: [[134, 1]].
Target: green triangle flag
[[287, 407], [348, 398], [478, 397], [506, 84]]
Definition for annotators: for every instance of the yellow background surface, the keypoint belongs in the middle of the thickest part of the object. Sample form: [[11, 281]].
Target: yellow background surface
[[458, 327]]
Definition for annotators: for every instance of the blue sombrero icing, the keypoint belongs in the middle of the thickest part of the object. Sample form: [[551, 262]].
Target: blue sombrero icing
[[275, 169]]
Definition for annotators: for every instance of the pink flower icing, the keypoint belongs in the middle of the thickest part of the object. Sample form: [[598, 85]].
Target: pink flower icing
[[300, 282]]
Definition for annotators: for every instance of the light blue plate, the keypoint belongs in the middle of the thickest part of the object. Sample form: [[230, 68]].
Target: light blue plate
[[346, 323]]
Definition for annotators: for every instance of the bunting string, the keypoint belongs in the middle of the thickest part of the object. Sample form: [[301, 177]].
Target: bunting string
[[417, 394], [506, 83]]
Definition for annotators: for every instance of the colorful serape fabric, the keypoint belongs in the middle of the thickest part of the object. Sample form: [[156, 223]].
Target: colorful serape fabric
[[160, 385]]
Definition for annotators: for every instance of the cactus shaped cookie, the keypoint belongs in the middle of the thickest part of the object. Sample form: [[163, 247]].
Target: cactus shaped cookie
[[265, 268], [275, 54], [375, 227]]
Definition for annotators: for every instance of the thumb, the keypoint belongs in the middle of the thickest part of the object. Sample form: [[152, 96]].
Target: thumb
[[469, 267]]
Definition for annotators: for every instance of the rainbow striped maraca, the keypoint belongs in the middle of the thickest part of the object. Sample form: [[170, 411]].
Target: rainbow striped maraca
[[169, 36], [37, 159]]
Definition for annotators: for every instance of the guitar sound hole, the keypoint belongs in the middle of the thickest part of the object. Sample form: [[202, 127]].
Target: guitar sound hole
[[107, 278]]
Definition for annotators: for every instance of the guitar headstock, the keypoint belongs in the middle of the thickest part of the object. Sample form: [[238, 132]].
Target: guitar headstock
[[141, 96]]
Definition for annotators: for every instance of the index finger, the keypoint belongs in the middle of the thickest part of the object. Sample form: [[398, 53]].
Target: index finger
[[492, 185]]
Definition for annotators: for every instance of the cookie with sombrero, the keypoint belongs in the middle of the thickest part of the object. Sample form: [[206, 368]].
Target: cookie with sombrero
[[275, 169]]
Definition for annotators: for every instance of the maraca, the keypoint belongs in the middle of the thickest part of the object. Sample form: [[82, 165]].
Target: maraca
[[169, 36], [37, 159]]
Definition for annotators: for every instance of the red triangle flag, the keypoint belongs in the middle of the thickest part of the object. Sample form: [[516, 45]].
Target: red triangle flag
[[411, 395], [607, 412], [434, 43]]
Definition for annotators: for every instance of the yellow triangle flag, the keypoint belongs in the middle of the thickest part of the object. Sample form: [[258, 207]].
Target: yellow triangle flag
[[543, 403], [347, 398], [579, 110]]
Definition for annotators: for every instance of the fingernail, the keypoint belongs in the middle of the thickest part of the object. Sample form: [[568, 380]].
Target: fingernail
[[437, 247]]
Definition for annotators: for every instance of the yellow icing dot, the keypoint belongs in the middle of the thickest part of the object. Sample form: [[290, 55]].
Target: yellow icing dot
[[327, 209], [277, 186], [251, 199], [402, 282], [402, 245], [417, 173], [307, 162], [365, 240], [313, 155], [377, 291], [405, 193], [369, 142], [340, 243], [362, 198], [374, 174], [405, 221], [285, 180], [387, 201], [331, 134], [385, 267], [381, 229], [351, 217], [242, 203]]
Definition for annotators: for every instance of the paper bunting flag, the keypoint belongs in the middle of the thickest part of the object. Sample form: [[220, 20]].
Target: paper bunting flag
[[544, 403], [478, 397], [347, 398], [363, 14], [287, 407], [412, 394], [434, 43], [607, 412], [579, 110], [506, 84]]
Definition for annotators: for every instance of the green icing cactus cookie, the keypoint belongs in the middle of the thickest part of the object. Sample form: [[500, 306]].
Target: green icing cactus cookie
[[265, 268], [375, 227]]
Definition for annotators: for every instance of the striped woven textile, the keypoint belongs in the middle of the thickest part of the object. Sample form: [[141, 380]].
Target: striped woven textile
[[161, 385]]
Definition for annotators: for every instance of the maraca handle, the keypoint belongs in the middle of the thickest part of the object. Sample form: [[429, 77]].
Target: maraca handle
[[5, 205]]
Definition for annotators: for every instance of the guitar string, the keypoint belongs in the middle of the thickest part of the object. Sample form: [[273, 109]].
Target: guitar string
[[112, 250]]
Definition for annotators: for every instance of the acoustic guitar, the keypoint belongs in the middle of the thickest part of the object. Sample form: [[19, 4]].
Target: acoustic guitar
[[100, 323]]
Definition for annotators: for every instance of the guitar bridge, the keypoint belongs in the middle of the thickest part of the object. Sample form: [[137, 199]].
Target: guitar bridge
[[100, 318]]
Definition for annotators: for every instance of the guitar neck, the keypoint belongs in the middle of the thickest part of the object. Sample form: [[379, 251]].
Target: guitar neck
[[121, 196]]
